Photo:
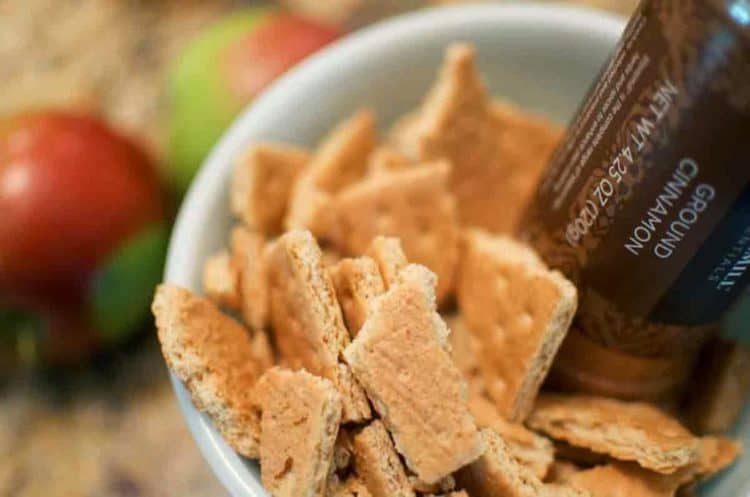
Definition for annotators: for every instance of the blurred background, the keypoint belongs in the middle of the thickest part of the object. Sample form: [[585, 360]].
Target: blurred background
[[107, 108]]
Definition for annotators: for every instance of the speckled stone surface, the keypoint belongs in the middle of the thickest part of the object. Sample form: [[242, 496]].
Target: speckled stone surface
[[112, 430]]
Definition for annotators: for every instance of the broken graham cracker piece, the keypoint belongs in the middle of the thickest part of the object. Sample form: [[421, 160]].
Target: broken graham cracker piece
[[414, 205], [717, 454], [213, 356], [721, 389], [377, 464], [630, 479], [620, 480], [357, 283], [457, 122], [237, 280], [628, 431], [299, 425], [400, 358], [527, 142], [262, 349], [385, 159], [221, 280], [496, 473], [530, 449], [464, 346], [247, 255], [306, 317], [339, 160], [356, 405], [262, 182], [401, 135], [520, 312], [388, 254], [330, 258]]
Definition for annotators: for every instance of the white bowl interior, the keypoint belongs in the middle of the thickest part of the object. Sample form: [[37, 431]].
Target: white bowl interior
[[542, 57]]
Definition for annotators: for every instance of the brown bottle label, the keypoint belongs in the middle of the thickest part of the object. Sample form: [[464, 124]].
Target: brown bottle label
[[646, 203]]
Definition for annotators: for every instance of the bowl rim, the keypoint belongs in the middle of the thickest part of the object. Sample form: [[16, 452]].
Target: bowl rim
[[229, 467]]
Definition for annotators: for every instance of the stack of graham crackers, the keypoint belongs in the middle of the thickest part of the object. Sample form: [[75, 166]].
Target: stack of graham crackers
[[391, 338]]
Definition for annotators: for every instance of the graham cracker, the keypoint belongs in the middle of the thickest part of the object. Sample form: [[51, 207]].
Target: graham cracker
[[385, 159], [213, 356], [377, 465], [527, 142], [628, 431], [262, 182], [496, 473], [267, 383], [400, 358], [389, 255], [414, 205], [247, 255], [299, 425], [717, 454], [721, 388], [340, 160], [620, 480], [464, 347], [221, 280], [401, 135], [492, 176], [310, 208], [331, 257], [530, 449], [520, 312], [356, 405], [306, 317], [262, 350], [357, 283]]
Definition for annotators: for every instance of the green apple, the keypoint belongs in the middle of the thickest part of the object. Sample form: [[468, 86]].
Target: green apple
[[224, 68]]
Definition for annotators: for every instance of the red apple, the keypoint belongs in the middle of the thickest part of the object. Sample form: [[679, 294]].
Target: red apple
[[75, 198]]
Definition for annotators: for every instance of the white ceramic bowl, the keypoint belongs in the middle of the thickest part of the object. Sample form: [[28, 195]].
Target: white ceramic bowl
[[543, 57]]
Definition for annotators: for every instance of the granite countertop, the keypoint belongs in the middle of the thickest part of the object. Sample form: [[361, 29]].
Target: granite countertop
[[114, 428], [110, 430]]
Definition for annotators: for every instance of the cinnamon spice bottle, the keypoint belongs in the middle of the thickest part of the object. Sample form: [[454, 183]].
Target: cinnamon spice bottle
[[645, 205]]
